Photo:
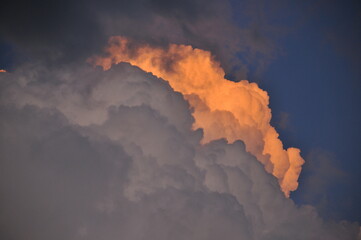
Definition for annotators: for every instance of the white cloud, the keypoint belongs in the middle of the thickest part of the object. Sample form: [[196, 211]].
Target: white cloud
[[89, 154]]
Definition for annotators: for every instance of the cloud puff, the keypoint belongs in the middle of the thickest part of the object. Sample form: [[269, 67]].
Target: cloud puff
[[87, 154]]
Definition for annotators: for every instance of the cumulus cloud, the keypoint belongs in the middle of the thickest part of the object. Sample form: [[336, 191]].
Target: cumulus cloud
[[89, 154], [224, 109], [120, 154]]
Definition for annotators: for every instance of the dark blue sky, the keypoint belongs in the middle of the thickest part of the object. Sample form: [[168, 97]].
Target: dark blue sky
[[314, 88]]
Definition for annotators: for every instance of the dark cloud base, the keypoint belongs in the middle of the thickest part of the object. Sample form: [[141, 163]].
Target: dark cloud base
[[109, 155]]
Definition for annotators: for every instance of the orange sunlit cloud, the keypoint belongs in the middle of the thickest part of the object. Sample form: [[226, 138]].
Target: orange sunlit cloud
[[222, 108]]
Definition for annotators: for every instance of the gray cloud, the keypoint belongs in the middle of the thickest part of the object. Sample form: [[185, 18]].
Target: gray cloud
[[323, 176], [87, 154], [66, 32]]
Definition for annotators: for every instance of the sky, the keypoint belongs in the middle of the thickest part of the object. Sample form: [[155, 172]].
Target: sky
[[317, 92], [133, 119]]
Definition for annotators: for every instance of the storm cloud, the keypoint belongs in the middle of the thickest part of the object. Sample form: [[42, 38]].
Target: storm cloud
[[108, 155], [65, 32], [93, 154]]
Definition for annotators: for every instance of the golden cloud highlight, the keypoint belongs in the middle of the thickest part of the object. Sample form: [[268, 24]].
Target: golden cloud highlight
[[222, 108]]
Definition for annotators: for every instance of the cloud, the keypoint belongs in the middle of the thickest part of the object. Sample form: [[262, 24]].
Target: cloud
[[109, 155], [88, 154], [320, 182], [283, 120], [67, 32], [223, 109]]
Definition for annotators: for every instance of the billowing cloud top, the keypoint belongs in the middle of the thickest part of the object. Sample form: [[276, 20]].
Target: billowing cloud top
[[223, 109]]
